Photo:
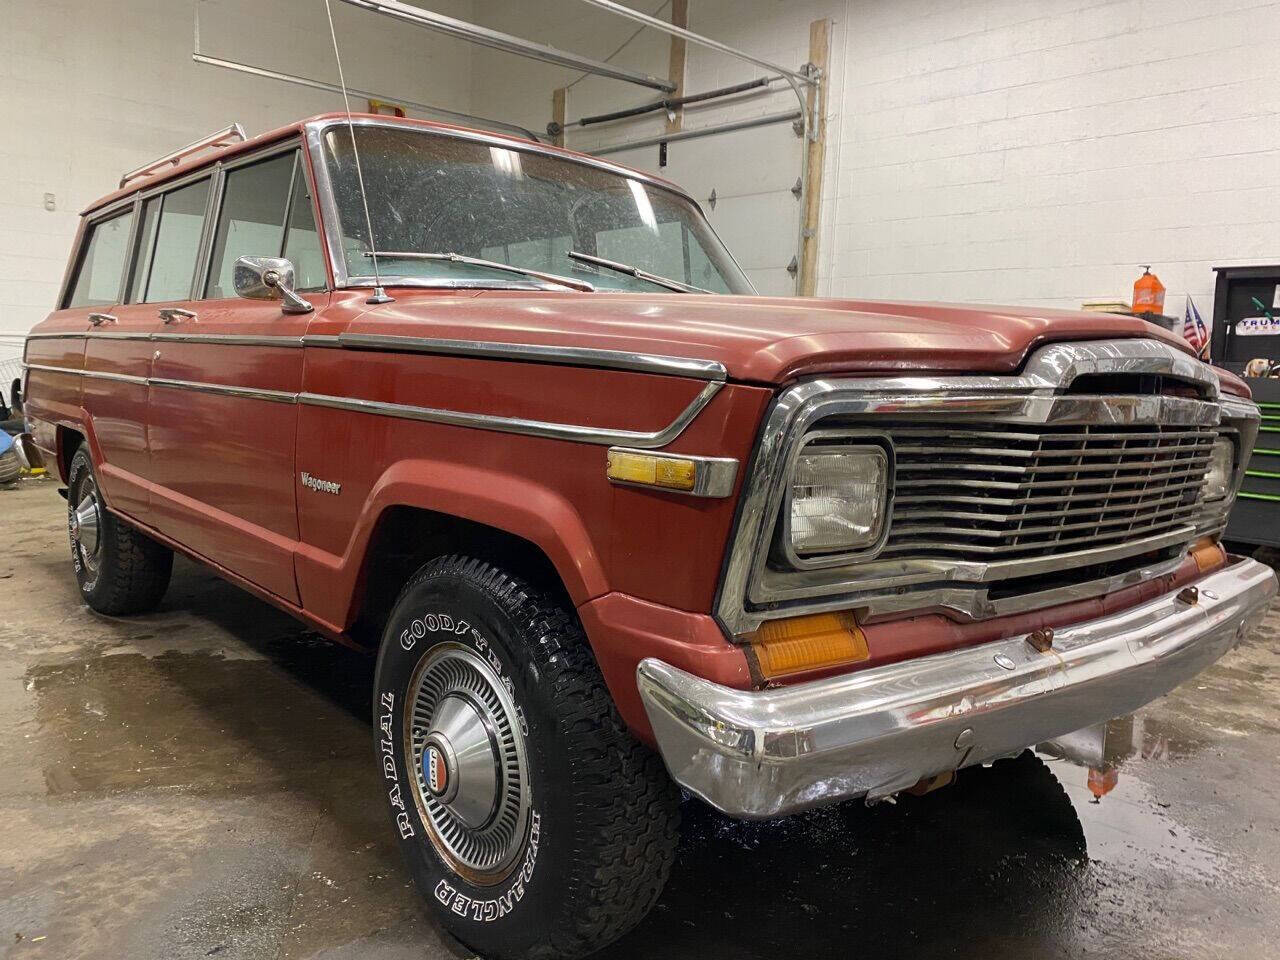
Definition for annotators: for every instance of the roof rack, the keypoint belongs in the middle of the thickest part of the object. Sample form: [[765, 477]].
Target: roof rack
[[234, 133]]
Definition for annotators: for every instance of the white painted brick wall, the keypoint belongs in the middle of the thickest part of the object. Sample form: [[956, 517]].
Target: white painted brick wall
[[1021, 151], [91, 89], [1036, 152]]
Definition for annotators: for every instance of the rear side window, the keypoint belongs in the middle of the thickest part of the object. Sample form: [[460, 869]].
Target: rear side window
[[97, 282], [251, 223], [177, 243], [146, 246]]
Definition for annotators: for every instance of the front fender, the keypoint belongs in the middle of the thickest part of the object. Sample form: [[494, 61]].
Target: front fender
[[514, 504]]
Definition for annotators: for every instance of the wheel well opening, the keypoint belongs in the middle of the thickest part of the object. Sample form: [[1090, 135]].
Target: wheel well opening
[[407, 537], [69, 442]]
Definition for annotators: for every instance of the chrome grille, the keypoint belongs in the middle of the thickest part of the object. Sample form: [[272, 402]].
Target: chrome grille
[[1003, 492]]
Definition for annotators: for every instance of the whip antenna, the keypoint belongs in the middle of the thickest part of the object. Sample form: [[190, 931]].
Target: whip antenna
[[379, 294]]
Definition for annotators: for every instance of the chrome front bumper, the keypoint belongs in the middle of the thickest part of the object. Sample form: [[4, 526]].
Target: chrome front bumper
[[877, 731]]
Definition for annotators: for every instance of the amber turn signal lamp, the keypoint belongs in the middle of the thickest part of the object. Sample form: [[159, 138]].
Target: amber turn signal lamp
[[1208, 554], [650, 470], [798, 644]]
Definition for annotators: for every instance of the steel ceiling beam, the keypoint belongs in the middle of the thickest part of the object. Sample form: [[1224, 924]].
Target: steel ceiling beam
[[485, 37]]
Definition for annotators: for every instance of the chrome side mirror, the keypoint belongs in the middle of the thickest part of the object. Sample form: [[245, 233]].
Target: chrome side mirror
[[268, 278]]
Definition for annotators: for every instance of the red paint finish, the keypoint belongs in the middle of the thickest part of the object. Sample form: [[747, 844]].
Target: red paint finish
[[775, 339], [243, 514], [1233, 385], [624, 630]]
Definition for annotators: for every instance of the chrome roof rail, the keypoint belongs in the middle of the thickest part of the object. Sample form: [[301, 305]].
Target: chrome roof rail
[[233, 133]]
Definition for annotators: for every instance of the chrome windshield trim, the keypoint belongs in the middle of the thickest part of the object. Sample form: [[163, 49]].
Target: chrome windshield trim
[[538, 353], [752, 592], [455, 283]]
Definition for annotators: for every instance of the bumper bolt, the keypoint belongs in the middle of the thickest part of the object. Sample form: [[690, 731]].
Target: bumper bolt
[[1041, 639], [1004, 660], [964, 739], [1189, 595]]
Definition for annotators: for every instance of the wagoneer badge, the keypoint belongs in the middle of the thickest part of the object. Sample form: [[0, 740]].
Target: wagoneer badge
[[320, 486]]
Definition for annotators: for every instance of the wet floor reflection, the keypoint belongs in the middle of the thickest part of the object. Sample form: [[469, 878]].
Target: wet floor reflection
[[993, 859], [1145, 841]]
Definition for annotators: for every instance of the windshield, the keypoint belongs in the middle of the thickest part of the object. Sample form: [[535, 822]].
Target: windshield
[[432, 193]]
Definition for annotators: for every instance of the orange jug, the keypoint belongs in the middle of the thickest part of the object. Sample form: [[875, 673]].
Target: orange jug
[[1148, 293]]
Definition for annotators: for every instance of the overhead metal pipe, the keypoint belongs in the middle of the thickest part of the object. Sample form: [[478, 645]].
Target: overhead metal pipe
[[689, 35], [747, 124], [796, 78], [670, 103], [441, 112], [485, 37]]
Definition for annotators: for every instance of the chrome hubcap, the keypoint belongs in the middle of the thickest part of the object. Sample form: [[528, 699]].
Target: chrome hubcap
[[85, 521], [470, 781]]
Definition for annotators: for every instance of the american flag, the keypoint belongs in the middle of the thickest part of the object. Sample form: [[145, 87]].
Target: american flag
[[1194, 331]]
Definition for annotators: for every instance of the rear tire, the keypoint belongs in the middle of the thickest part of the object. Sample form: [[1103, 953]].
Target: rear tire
[[531, 820], [120, 571]]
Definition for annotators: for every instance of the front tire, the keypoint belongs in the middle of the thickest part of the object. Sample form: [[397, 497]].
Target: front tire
[[531, 820], [120, 571]]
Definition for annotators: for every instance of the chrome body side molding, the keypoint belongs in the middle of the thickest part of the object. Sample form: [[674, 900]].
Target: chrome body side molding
[[576, 433], [648, 440], [536, 353], [248, 393], [486, 349]]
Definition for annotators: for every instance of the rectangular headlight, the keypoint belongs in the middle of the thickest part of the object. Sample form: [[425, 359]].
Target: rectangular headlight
[[838, 499], [1217, 479]]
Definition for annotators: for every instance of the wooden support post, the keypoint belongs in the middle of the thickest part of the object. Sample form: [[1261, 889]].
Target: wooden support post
[[675, 72], [559, 112], [819, 56]]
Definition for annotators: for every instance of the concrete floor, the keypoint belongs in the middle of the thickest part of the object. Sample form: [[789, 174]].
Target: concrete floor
[[198, 783]]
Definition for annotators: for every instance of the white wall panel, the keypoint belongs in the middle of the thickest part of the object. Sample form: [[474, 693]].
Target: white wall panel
[[91, 89]]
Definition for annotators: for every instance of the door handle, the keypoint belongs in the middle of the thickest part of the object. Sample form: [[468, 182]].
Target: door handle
[[98, 319], [170, 314]]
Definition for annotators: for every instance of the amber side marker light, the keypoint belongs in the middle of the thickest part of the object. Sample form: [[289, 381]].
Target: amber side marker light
[[650, 470], [1208, 554], [797, 644]]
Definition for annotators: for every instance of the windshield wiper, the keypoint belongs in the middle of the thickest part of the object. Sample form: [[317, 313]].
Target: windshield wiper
[[636, 272], [478, 262]]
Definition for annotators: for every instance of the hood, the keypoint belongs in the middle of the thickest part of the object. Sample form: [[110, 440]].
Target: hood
[[758, 339]]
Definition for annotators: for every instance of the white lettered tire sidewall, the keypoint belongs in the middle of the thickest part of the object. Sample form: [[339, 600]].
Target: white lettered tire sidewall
[[451, 609]]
